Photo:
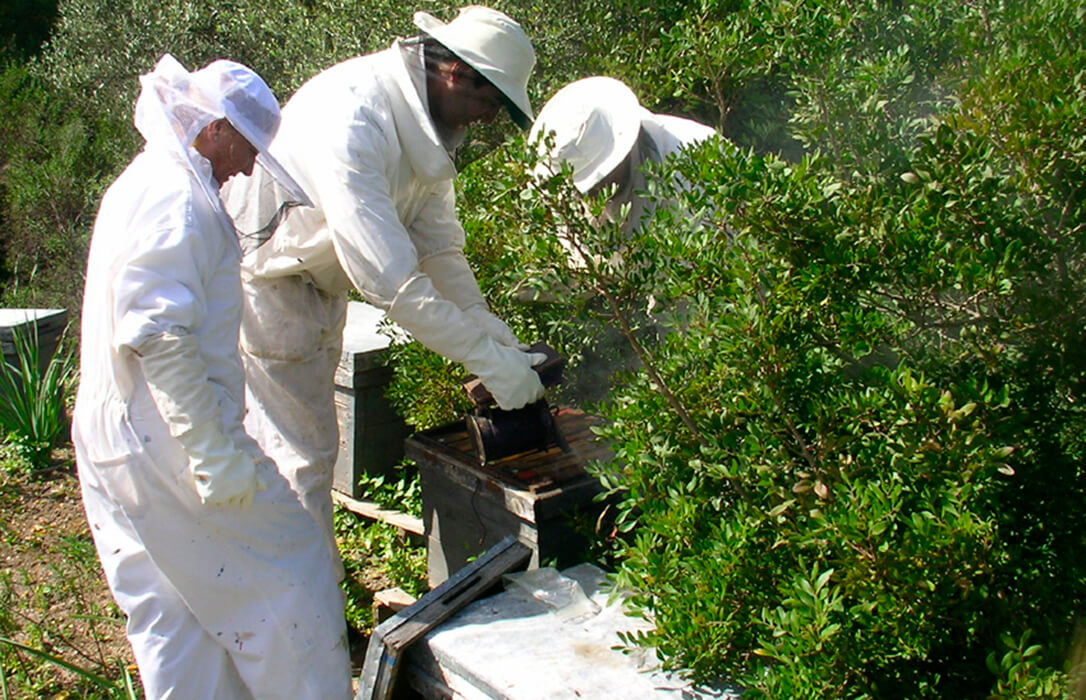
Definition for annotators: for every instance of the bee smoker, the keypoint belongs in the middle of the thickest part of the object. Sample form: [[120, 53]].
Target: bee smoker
[[497, 433]]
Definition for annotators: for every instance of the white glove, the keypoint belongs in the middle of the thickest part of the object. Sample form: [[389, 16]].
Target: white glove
[[442, 326], [495, 327], [506, 373], [224, 475], [177, 378]]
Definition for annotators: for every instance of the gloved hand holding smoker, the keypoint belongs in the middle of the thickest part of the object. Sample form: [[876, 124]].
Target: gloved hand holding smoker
[[480, 341]]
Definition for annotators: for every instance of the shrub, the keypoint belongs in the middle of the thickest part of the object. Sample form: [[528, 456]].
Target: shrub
[[856, 470], [55, 161]]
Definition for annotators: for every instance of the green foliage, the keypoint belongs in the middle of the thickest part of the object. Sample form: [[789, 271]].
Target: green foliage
[[99, 48], [375, 550], [403, 494], [54, 161], [1019, 675], [32, 412], [426, 388], [849, 464]]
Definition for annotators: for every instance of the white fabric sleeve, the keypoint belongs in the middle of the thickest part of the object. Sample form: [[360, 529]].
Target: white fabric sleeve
[[177, 378], [370, 241], [160, 285], [453, 278], [159, 296], [441, 326]]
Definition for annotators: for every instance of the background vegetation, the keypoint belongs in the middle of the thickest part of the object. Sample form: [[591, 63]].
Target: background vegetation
[[847, 423]]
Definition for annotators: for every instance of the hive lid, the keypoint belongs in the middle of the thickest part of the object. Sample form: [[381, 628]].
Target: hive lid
[[11, 318], [361, 334], [48, 322]]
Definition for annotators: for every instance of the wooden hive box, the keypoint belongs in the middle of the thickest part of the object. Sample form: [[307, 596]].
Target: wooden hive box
[[371, 433], [49, 324], [542, 497]]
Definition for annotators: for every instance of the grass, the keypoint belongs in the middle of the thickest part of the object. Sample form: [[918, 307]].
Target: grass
[[60, 633], [126, 689]]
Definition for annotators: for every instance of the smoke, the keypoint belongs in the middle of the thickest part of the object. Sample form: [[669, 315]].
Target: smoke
[[602, 364]]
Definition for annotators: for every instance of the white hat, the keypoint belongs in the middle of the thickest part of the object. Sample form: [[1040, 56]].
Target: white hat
[[174, 105], [595, 122], [250, 106], [493, 44]]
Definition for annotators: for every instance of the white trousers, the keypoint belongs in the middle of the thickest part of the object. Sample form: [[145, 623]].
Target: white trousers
[[291, 341], [221, 602], [176, 657]]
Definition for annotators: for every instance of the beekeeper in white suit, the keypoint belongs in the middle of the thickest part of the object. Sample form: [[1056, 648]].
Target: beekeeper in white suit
[[371, 140], [227, 585], [600, 128]]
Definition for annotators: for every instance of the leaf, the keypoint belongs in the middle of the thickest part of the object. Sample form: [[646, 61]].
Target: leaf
[[57, 661], [780, 508], [820, 583]]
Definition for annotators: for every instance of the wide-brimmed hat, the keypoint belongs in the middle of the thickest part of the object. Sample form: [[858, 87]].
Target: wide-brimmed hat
[[249, 105], [493, 44], [595, 122]]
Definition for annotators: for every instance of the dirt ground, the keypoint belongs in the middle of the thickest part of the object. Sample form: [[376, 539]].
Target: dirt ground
[[53, 592], [54, 598]]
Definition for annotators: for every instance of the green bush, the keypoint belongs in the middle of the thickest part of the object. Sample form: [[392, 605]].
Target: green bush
[[857, 470], [55, 162]]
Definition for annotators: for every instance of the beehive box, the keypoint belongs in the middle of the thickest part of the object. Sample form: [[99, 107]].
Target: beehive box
[[544, 497], [371, 433], [48, 324]]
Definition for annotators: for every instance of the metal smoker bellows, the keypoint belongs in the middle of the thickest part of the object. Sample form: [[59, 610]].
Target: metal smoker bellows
[[497, 433]]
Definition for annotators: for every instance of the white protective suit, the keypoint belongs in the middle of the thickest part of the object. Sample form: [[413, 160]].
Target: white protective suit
[[661, 136], [360, 140], [598, 127], [223, 601]]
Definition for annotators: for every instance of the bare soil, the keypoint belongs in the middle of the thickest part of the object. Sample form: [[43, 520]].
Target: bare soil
[[53, 592]]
